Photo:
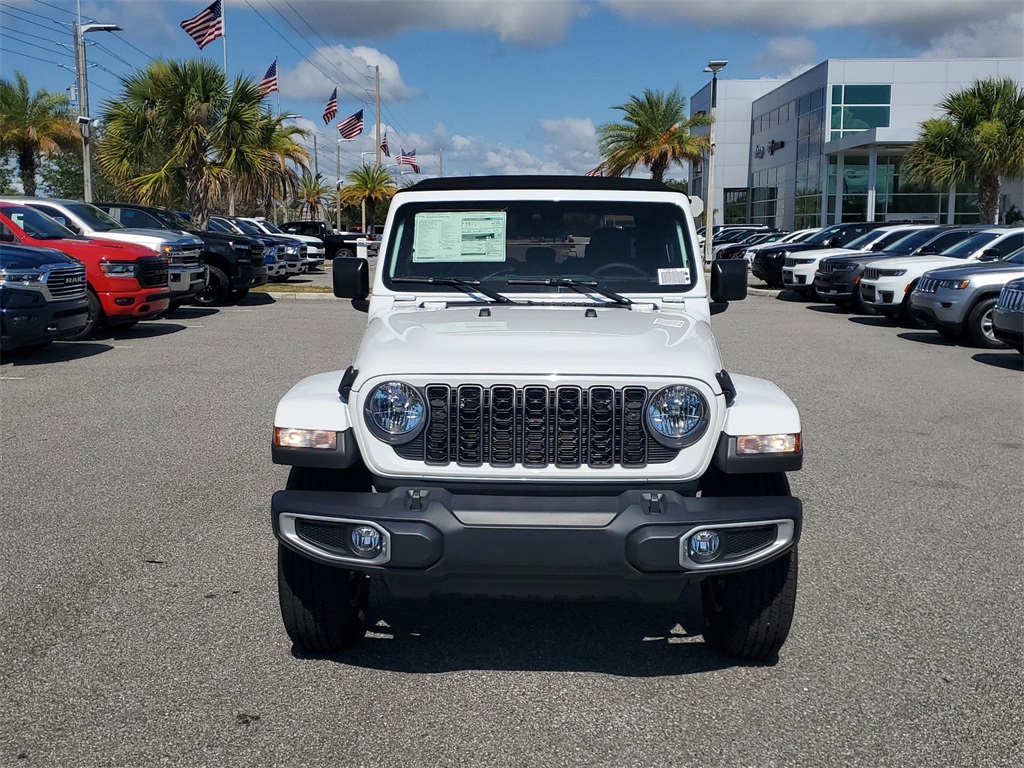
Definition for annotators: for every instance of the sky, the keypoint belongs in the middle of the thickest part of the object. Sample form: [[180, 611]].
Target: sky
[[494, 86]]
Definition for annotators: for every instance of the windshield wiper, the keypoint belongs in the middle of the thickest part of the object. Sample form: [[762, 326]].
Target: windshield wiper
[[468, 286], [580, 286]]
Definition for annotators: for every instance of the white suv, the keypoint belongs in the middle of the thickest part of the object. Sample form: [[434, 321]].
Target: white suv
[[798, 270], [525, 417], [887, 283]]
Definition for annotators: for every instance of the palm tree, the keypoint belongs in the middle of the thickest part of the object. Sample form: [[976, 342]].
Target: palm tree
[[31, 125], [312, 192], [177, 135], [370, 184], [980, 136], [655, 134]]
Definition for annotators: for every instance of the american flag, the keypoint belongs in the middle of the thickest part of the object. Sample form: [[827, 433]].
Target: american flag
[[599, 171], [351, 127], [408, 158], [384, 146], [269, 82], [206, 26], [331, 110]]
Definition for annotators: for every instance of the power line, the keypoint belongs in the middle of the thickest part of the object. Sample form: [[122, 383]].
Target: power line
[[11, 8], [29, 56], [321, 39], [55, 7]]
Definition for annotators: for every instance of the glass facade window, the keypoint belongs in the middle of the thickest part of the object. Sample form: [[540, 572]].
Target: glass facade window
[[859, 108], [735, 205]]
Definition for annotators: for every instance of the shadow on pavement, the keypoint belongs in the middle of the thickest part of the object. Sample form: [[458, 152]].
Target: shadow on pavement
[[928, 337], [1010, 360], [828, 309], [57, 352], [793, 296], [877, 321], [190, 313], [146, 330], [256, 299], [615, 638]]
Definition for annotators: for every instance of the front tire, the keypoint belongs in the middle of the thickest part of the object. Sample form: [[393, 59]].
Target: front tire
[[748, 615], [979, 325], [323, 607], [94, 317], [216, 290], [240, 294]]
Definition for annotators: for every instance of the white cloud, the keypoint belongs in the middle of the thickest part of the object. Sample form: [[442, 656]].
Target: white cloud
[[531, 23], [783, 55], [351, 69], [920, 23], [1002, 36], [572, 142]]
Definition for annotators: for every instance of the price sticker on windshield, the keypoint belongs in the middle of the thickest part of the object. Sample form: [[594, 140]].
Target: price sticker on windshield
[[676, 276]]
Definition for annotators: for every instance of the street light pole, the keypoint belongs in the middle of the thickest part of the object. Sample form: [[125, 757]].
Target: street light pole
[[85, 122], [714, 67]]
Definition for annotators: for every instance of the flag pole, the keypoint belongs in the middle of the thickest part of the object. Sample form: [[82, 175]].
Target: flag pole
[[224, 37], [277, 76], [377, 81]]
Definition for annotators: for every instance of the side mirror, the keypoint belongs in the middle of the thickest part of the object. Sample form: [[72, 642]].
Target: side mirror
[[728, 283], [834, 242], [927, 250], [351, 278], [990, 254]]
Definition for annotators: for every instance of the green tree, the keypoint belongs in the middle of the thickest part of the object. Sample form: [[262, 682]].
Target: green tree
[[33, 125], [61, 175], [6, 176], [312, 193], [370, 184], [655, 133], [177, 135], [980, 137]]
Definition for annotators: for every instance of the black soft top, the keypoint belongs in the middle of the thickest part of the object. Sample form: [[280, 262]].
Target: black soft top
[[597, 183]]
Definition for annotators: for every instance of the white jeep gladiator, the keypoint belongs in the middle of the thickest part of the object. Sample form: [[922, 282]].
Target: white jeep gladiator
[[535, 415]]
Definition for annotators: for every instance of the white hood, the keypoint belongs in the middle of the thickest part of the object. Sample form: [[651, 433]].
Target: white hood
[[918, 264], [150, 238], [538, 341]]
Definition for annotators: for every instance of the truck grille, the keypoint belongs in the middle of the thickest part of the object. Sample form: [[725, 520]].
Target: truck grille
[[186, 259], [66, 282], [151, 272], [1011, 300], [827, 266], [927, 285], [535, 426]]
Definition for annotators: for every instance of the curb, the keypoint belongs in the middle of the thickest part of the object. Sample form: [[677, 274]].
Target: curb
[[297, 295], [764, 291]]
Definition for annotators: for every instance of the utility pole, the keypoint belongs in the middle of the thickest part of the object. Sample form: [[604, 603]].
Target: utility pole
[[85, 122], [376, 70], [337, 193], [316, 160], [714, 67]]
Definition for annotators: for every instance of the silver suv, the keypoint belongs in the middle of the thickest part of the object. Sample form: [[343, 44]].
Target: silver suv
[[958, 301]]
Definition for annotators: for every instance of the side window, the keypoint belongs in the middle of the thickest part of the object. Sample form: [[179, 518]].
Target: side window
[[6, 236], [289, 228], [57, 216], [132, 218], [1010, 244]]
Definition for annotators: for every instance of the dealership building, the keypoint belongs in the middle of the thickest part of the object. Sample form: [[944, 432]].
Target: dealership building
[[826, 145]]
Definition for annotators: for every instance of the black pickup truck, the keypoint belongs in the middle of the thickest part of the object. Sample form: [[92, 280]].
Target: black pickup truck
[[335, 243], [235, 261]]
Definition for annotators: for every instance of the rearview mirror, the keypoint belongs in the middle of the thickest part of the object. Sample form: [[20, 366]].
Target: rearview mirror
[[351, 278]]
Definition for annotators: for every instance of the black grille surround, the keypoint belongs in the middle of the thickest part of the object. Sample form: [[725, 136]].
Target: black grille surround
[[152, 271], [535, 426]]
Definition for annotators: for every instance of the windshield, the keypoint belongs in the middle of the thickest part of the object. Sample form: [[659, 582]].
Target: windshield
[[1017, 257], [93, 217], [823, 235], [174, 221], [967, 248], [622, 246], [864, 240], [217, 225], [268, 227], [35, 224], [911, 243], [248, 228]]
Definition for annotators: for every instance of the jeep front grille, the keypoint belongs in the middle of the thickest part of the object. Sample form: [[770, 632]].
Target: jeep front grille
[[825, 266], [1011, 300], [927, 285], [536, 426], [872, 274]]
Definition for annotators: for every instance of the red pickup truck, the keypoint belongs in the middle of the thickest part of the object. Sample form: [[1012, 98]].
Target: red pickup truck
[[127, 283]]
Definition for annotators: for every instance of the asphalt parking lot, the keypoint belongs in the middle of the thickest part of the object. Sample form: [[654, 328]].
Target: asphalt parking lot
[[139, 621]]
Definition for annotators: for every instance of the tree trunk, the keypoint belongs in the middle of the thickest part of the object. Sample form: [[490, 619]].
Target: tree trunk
[[658, 168], [27, 169], [988, 198]]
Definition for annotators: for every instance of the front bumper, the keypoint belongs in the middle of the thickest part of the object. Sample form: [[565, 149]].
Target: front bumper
[[1008, 327], [259, 276], [835, 286], [23, 326], [798, 277], [186, 282], [629, 545], [883, 294], [128, 306], [940, 309]]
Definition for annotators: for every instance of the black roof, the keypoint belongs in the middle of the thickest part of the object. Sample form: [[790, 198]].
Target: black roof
[[597, 183]]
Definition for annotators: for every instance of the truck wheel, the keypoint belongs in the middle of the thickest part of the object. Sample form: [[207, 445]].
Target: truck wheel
[[345, 253], [94, 316], [323, 607], [748, 614], [216, 290], [240, 294], [979, 325]]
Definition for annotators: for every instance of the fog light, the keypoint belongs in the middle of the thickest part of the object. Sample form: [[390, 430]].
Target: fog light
[[366, 541], [124, 301], [704, 546]]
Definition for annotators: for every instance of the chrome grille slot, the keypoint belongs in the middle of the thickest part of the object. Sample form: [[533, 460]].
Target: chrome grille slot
[[872, 274], [927, 285], [825, 267], [535, 426], [1011, 299]]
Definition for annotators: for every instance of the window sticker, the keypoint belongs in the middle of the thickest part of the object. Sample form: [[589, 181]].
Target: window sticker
[[457, 237], [676, 276]]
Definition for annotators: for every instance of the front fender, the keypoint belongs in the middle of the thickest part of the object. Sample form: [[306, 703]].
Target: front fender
[[315, 403], [759, 408]]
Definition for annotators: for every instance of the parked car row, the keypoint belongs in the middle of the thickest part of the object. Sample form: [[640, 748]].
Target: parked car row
[[127, 263], [947, 278]]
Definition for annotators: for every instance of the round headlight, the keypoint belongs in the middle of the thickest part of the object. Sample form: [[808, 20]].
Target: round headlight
[[395, 411], [677, 416]]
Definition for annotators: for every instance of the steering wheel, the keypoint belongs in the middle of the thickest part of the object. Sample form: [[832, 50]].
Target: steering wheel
[[618, 265]]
